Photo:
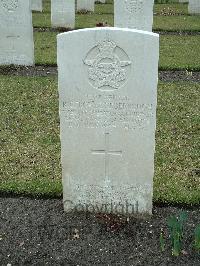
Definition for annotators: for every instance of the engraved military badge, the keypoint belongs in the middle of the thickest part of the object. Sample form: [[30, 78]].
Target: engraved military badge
[[10, 5], [133, 6], [107, 65]]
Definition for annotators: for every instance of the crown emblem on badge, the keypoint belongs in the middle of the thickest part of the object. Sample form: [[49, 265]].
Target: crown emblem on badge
[[106, 47], [133, 6]]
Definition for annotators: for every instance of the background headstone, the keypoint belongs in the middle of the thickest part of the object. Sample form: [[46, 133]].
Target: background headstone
[[63, 13], [36, 5], [194, 7], [87, 5], [107, 95], [16, 33], [101, 1], [134, 14]]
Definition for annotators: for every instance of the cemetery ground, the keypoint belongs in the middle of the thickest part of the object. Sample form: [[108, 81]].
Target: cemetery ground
[[31, 144], [34, 230]]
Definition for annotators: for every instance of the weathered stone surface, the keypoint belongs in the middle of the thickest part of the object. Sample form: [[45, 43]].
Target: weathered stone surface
[[194, 7], [16, 33], [63, 13], [87, 5], [36, 5], [134, 14], [107, 96]]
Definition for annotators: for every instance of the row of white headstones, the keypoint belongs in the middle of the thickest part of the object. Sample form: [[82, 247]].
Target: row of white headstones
[[107, 81], [128, 13], [16, 30]]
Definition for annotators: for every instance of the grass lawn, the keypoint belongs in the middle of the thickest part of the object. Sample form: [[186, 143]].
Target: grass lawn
[[177, 23], [45, 48], [176, 52], [105, 13], [171, 8], [180, 52], [30, 146]]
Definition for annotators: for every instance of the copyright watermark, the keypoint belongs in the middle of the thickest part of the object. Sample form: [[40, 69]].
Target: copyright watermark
[[112, 207]]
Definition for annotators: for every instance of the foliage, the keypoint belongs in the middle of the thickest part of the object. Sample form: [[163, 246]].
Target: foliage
[[176, 225], [197, 238], [162, 241]]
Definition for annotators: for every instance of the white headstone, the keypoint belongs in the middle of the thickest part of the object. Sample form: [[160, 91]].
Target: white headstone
[[16, 33], [194, 7], [87, 5], [36, 5], [107, 96], [63, 13], [134, 14]]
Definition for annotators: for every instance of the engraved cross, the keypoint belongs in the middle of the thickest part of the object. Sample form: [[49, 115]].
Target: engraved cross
[[107, 152], [12, 39]]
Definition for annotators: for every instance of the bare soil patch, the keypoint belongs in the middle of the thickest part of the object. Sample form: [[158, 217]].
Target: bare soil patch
[[38, 232], [44, 71]]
